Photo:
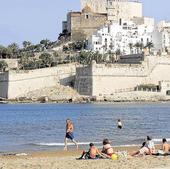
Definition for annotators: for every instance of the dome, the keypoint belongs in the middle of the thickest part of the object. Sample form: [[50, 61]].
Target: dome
[[86, 9]]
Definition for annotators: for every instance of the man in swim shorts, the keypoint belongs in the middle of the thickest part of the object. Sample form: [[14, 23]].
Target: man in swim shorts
[[93, 153], [69, 133]]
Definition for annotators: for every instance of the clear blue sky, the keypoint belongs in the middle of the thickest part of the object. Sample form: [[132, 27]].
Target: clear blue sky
[[34, 20]]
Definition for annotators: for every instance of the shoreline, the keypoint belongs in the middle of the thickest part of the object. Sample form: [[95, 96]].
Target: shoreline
[[67, 159], [71, 151], [85, 102]]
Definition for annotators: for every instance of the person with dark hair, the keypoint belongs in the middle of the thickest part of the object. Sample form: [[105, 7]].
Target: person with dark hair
[[165, 146], [147, 148], [93, 153], [165, 149], [107, 150], [150, 145], [119, 124], [69, 133]]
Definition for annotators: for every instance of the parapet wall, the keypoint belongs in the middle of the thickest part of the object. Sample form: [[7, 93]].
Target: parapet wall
[[12, 63], [16, 83], [107, 79]]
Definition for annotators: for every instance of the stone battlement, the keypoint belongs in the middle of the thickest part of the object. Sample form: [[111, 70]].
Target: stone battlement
[[102, 79], [17, 83]]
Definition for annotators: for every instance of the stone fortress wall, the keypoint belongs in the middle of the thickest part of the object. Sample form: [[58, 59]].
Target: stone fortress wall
[[12, 63], [93, 80], [17, 83], [106, 79]]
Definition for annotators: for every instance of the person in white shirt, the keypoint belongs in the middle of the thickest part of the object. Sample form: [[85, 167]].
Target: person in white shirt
[[150, 145], [119, 124], [148, 148]]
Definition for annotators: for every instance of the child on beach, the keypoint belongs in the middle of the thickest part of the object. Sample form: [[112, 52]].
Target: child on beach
[[69, 133], [93, 153]]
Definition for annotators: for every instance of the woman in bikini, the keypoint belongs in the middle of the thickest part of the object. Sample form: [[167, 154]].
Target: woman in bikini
[[107, 150]]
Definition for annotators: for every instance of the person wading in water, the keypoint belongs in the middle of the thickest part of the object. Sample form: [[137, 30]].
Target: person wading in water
[[69, 133], [119, 124]]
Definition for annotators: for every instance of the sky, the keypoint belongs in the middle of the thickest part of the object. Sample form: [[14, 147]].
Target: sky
[[34, 20]]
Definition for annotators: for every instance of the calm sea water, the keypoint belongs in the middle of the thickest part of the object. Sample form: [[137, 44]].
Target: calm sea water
[[42, 126]]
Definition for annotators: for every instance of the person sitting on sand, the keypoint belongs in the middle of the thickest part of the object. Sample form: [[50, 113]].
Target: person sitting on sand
[[150, 145], [107, 150], [147, 148], [165, 148], [69, 133], [93, 153]]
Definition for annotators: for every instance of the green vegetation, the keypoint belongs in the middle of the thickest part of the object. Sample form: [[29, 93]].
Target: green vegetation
[[34, 56], [3, 66], [27, 54]]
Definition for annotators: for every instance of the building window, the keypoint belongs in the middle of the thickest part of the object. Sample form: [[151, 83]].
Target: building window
[[87, 16]]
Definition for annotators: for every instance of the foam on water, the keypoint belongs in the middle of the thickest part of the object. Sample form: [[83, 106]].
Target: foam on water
[[160, 140], [62, 144], [42, 127]]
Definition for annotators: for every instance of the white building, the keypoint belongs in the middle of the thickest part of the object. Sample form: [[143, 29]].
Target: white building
[[126, 37], [161, 37]]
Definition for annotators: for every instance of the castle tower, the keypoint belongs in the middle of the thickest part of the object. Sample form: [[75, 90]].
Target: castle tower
[[97, 6], [114, 9]]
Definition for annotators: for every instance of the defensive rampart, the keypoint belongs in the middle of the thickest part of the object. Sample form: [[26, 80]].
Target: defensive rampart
[[106, 79], [16, 83]]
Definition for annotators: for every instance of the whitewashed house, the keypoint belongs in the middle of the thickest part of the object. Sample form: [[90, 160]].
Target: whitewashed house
[[161, 37], [126, 37]]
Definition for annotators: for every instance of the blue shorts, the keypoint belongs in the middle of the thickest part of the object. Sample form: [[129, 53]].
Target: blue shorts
[[70, 136]]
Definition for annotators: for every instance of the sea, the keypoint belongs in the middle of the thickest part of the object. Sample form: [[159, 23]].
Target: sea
[[41, 127]]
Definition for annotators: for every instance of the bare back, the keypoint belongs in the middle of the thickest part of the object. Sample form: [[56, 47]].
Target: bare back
[[93, 152], [166, 148]]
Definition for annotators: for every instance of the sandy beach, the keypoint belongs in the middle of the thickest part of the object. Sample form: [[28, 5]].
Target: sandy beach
[[67, 160]]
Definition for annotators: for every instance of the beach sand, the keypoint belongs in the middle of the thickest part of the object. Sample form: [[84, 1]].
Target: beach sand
[[67, 160]]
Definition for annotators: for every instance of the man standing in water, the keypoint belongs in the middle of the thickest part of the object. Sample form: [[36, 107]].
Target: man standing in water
[[69, 133]]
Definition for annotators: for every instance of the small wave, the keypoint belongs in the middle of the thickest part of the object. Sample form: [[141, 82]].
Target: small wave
[[62, 144], [160, 140], [155, 140]]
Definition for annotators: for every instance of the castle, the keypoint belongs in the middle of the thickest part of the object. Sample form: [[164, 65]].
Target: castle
[[122, 80], [115, 9], [96, 13]]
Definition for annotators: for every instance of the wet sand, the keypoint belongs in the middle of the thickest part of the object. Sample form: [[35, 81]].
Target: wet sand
[[67, 160]]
